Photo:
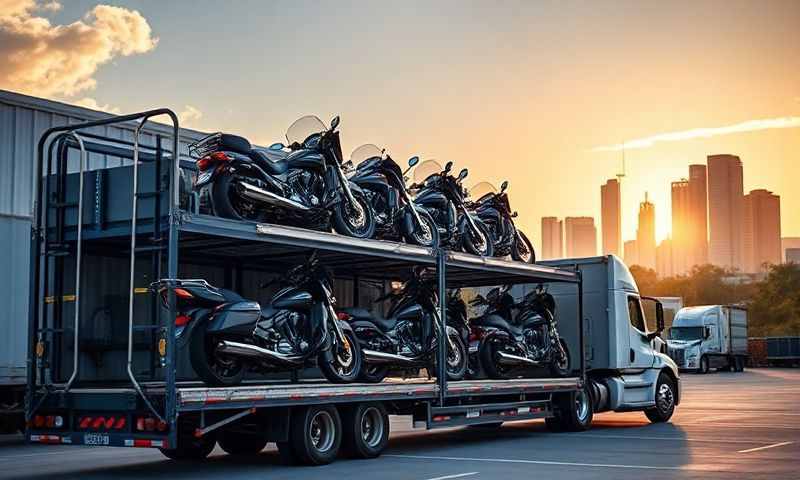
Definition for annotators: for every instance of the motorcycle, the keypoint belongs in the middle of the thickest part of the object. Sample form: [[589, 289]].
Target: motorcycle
[[383, 182], [407, 338], [442, 195], [302, 184], [494, 209], [228, 335], [530, 339]]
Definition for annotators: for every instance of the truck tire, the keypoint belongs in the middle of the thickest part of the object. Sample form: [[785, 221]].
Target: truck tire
[[241, 443], [574, 411], [191, 448], [315, 434], [703, 368], [365, 429], [665, 400]]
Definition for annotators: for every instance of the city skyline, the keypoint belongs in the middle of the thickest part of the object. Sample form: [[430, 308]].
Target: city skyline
[[553, 124]]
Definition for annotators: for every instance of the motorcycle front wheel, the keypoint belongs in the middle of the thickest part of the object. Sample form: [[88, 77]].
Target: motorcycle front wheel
[[228, 203], [424, 237], [523, 249], [480, 244], [559, 366], [457, 359], [344, 362], [211, 369], [354, 222]]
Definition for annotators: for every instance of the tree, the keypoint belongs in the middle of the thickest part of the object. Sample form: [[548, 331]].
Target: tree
[[774, 309]]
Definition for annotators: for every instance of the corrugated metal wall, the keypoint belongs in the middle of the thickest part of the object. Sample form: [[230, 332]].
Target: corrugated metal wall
[[22, 121]]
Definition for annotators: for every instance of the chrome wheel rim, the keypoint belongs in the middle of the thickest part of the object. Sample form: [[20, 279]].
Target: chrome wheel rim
[[665, 398], [582, 405], [372, 427], [453, 358], [423, 235], [355, 215], [523, 251], [322, 431]]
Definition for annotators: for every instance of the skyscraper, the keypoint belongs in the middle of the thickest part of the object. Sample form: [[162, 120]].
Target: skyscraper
[[611, 217], [631, 253], [698, 216], [761, 235], [681, 248], [581, 237], [646, 234], [665, 263], [725, 199], [552, 238]]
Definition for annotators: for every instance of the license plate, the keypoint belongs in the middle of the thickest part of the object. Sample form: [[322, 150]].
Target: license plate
[[204, 177], [95, 439]]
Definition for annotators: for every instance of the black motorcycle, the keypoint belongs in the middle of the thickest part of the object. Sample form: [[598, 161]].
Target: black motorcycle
[[228, 335], [396, 215], [302, 184], [407, 338], [507, 341], [494, 209], [443, 196]]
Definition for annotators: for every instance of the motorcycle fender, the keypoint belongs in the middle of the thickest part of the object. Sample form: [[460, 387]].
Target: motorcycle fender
[[409, 225], [184, 333], [463, 224], [363, 325], [354, 187], [237, 318]]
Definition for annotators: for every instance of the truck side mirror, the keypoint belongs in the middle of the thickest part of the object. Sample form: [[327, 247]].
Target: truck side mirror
[[706, 333], [659, 317]]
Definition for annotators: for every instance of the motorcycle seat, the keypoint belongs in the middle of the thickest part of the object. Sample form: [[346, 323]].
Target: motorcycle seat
[[271, 161], [384, 324], [231, 296], [498, 322], [234, 143]]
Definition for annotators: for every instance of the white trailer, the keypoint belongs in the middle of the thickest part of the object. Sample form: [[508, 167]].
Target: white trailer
[[711, 336]]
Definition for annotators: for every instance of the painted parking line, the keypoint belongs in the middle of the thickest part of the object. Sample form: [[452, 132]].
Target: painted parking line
[[539, 462], [774, 445], [668, 439], [458, 475]]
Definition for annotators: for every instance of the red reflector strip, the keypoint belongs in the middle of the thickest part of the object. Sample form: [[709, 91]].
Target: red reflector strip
[[144, 443], [120, 424], [441, 418], [85, 422], [50, 439]]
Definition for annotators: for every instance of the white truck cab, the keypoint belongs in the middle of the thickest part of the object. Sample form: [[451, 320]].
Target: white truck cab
[[624, 354], [710, 336]]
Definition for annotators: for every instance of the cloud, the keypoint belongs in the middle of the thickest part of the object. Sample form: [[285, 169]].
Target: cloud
[[91, 103], [189, 115], [40, 58], [705, 132]]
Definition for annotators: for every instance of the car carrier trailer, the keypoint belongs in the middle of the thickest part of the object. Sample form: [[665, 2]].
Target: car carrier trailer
[[115, 230]]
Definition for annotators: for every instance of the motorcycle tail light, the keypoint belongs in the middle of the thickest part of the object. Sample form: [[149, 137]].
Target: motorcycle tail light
[[343, 316], [182, 320], [206, 162]]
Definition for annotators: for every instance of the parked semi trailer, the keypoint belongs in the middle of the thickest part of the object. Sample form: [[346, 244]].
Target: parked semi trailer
[[23, 119], [712, 336], [783, 351], [107, 369]]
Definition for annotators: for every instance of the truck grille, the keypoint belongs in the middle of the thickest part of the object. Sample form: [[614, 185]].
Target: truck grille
[[677, 354]]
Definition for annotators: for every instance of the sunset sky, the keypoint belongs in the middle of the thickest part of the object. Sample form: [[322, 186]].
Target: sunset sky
[[540, 93]]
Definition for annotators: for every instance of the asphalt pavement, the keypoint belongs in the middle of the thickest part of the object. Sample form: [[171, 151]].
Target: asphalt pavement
[[729, 426]]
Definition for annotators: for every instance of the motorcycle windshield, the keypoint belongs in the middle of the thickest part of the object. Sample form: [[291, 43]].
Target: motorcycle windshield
[[365, 152], [303, 128], [426, 169], [481, 189]]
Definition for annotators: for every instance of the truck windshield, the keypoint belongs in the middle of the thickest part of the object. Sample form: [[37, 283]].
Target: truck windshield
[[686, 333]]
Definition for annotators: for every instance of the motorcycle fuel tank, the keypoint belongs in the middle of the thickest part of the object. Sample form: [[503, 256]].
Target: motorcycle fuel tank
[[292, 298]]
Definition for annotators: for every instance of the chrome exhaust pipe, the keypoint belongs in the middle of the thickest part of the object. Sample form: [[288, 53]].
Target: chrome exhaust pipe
[[260, 195], [509, 359], [254, 352], [374, 356]]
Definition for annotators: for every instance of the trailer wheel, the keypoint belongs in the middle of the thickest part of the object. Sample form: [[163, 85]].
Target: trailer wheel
[[241, 443], [315, 434], [665, 400], [365, 430], [574, 412], [738, 364], [191, 448]]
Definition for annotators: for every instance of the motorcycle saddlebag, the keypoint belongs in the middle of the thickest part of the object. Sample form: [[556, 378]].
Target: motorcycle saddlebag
[[238, 317]]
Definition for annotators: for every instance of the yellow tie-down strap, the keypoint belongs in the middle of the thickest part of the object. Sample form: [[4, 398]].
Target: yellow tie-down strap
[[71, 298]]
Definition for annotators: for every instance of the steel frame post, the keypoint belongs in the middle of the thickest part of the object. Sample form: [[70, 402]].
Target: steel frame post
[[581, 325], [441, 342]]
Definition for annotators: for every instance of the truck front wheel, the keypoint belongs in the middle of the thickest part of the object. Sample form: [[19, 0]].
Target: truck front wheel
[[703, 365], [665, 400]]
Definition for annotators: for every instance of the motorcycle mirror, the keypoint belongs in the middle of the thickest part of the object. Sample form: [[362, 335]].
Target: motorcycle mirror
[[335, 122], [277, 146], [503, 186], [463, 174], [514, 215], [448, 167], [413, 161]]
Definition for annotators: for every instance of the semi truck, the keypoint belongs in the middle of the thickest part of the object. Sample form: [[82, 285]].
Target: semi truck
[[625, 366], [106, 368], [710, 336]]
